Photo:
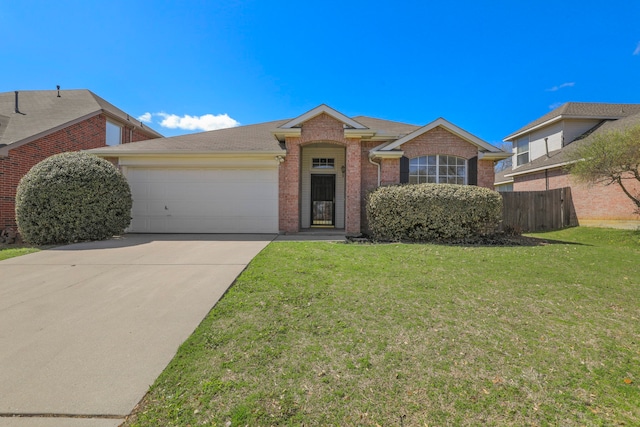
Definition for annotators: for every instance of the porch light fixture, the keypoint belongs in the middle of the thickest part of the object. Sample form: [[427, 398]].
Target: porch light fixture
[[343, 169]]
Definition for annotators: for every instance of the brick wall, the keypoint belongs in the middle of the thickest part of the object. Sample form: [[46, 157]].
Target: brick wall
[[592, 202], [90, 133], [486, 173], [440, 141], [320, 129], [289, 188], [361, 175]]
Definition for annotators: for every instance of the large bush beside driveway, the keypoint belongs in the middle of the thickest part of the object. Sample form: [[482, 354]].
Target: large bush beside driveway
[[433, 212], [72, 197]]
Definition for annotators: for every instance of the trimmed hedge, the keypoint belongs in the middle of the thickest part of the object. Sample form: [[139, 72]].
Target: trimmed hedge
[[428, 212], [72, 197]]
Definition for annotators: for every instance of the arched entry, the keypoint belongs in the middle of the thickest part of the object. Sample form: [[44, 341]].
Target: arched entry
[[322, 201]]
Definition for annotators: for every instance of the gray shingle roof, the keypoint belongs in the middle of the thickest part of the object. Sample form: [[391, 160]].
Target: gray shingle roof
[[256, 138], [594, 110], [42, 112], [249, 138], [386, 126], [560, 157]]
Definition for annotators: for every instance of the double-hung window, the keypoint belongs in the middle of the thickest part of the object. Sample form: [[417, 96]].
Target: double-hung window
[[438, 169], [522, 150], [114, 134]]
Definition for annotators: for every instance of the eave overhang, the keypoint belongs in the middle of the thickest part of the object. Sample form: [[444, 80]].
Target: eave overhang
[[105, 152], [492, 155], [378, 154], [540, 169], [513, 136]]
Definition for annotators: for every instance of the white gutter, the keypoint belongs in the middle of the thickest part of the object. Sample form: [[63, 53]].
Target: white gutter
[[378, 166], [386, 154], [493, 155], [542, 168]]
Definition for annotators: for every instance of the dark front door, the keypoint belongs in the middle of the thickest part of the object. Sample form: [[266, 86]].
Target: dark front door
[[323, 196]]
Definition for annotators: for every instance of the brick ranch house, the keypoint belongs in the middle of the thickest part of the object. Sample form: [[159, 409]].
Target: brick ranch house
[[37, 124], [543, 148], [291, 175]]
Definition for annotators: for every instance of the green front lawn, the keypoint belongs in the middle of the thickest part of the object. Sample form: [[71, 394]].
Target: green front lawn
[[10, 252], [415, 335]]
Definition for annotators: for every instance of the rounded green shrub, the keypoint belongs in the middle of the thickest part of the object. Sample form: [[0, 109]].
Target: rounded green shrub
[[72, 197], [433, 212]]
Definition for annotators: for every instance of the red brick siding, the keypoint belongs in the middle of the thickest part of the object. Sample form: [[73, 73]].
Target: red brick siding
[[440, 141], [289, 188], [361, 175], [390, 171], [592, 202], [353, 202], [322, 128], [389, 174], [90, 133], [486, 173]]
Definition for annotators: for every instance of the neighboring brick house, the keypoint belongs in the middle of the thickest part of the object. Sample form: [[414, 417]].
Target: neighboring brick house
[[37, 124], [543, 148], [288, 176]]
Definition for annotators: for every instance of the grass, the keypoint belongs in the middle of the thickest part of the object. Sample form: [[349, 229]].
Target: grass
[[417, 335], [10, 252]]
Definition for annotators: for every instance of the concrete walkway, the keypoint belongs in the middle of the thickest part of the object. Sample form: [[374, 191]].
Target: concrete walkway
[[85, 329]]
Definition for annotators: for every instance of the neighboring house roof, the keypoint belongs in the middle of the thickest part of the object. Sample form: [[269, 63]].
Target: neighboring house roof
[[578, 110], [267, 137], [501, 179], [41, 112], [565, 155]]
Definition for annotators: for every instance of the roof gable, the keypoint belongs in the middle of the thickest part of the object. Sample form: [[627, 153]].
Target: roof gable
[[449, 127], [320, 109], [564, 155], [41, 112], [578, 110]]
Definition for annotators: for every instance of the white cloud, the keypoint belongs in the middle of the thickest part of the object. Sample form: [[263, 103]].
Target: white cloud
[[637, 51], [146, 117], [563, 85], [205, 122], [187, 122], [555, 105]]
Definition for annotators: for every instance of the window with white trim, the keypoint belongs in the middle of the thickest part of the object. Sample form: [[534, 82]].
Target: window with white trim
[[438, 169], [322, 163], [522, 150], [114, 134]]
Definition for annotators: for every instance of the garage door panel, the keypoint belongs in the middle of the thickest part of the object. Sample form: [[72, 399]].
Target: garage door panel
[[204, 200]]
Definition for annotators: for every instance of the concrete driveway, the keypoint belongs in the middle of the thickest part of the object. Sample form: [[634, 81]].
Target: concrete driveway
[[85, 329]]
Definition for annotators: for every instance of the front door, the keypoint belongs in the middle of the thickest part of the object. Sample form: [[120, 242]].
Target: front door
[[323, 197]]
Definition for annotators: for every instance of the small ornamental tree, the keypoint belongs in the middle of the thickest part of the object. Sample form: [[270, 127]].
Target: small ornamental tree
[[611, 158], [72, 197]]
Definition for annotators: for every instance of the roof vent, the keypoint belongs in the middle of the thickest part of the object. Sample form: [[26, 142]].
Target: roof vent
[[17, 109], [58, 87]]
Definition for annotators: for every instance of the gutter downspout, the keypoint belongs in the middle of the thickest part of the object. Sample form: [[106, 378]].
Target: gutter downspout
[[378, 166]]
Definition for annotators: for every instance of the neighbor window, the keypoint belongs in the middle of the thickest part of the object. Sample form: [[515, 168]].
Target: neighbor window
[[321, 163], [438, 169], [114, 133], [522, 151]]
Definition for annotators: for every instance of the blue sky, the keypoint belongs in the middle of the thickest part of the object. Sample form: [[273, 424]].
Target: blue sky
[[489, 67]]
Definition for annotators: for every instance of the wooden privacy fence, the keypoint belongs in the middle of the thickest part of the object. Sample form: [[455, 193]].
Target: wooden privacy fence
[[527, 211]]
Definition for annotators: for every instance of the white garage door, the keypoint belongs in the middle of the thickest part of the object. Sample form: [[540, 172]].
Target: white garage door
[[203, 200]]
